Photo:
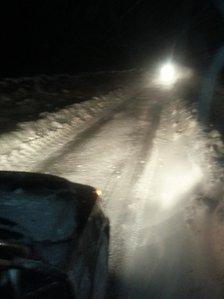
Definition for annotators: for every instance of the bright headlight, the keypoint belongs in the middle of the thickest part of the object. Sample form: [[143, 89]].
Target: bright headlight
[[168, 74]]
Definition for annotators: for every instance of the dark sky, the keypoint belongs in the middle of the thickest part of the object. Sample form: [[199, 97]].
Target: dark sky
[[59, 36]]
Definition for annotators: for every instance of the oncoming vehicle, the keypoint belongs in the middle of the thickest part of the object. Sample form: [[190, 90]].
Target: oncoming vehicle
[[53, 238]]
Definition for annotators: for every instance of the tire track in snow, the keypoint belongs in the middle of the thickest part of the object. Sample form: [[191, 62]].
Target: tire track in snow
[[83, 136], [25, 149]]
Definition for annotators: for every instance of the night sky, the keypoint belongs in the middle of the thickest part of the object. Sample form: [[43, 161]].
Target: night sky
[[69, 36]]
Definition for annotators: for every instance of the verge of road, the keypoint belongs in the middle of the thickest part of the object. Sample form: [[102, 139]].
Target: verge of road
[[40, 140]]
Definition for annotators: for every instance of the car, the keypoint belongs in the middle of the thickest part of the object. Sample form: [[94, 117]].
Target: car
[[54, 238]]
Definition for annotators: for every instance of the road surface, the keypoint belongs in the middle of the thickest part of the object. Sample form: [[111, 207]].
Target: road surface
[[150, 159], [139, 156]]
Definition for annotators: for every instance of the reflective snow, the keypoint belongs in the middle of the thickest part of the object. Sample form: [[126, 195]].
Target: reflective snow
[[153, 163]]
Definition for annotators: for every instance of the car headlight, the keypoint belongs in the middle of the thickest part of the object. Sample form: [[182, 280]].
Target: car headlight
[[168, 74]]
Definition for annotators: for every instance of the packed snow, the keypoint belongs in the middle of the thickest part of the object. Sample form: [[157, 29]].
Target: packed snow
[[160, 171]]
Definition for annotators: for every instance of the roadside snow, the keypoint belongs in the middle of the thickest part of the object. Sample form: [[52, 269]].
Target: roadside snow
[[34, 141]]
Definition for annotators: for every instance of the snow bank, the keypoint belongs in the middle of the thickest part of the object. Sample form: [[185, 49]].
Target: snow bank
[[34, 141]]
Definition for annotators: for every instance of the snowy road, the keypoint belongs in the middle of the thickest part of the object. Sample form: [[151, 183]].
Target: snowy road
[[151, 160]]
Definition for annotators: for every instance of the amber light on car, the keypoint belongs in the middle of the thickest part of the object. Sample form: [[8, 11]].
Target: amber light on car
[[98, 192]]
